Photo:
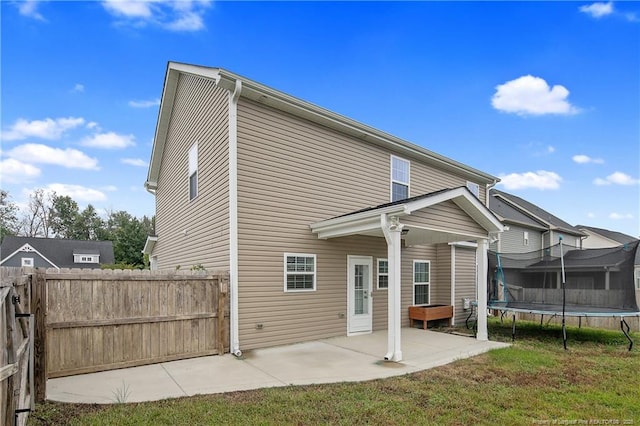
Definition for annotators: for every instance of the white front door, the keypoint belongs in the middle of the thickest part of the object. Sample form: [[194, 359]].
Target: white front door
[[359, 294]]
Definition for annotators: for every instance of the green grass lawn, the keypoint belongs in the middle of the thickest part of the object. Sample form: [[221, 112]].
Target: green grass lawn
[[596, 381]]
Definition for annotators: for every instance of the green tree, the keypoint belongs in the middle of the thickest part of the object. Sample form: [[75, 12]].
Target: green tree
[[129, 234], [89, 225], [64, 217], [9, 223]]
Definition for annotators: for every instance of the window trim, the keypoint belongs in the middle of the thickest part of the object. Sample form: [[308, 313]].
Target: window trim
[[414, 283], [192, 159], [287, 273], [384, 274], [86, 258], [392, 181], [29, 259]]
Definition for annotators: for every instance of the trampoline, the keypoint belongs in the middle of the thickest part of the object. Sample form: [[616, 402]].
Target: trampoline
[[566, 282]]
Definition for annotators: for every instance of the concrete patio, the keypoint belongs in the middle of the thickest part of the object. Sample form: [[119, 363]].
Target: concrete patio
[[338, 359]]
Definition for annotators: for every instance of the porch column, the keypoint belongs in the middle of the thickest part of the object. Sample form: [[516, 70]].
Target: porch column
[[481, 286], [392, 231]]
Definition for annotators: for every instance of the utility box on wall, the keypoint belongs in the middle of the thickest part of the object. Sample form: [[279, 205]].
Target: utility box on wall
[[466, 303]]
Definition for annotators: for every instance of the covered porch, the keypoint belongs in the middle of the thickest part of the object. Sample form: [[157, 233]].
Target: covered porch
[[447, 216]]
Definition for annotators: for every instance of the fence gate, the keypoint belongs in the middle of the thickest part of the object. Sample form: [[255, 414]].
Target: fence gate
[[16, 349]]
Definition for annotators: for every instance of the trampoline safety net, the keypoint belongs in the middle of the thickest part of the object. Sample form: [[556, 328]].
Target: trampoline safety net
[[597, 281]]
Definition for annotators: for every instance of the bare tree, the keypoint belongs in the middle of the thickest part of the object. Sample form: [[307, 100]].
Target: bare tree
[[36, 221]]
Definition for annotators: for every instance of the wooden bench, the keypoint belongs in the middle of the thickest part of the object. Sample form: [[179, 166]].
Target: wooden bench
[[429, 313]]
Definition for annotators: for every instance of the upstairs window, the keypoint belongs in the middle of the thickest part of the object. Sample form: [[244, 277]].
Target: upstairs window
[[383, 274], [299, 272], [399, 178], [27, 261], [193, 171], [474, 188]]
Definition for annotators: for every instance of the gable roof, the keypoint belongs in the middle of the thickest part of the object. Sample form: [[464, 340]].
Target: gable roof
[[520, 210], [611, 235], [58, 251], [367, 220], [279, 100]]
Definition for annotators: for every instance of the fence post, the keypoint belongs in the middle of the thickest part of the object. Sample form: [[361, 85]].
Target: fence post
[[222, 290], [39, 309]]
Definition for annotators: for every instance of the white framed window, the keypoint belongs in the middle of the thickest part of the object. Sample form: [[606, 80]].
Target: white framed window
[[421, 281], [299, 272], [474, 188], [193, 171], [525, 238], [27, 261], [86, 258], [383, 274], [400, 170]]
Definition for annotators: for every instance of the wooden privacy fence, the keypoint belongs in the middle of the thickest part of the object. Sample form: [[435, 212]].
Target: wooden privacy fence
[[101, 319], [16, 356]]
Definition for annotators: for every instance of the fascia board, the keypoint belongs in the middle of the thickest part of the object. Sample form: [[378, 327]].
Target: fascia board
[[354, 219], [149, 245], [174, 69]]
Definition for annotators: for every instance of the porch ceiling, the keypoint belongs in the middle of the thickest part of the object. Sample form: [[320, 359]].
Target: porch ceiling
[[368, 221]]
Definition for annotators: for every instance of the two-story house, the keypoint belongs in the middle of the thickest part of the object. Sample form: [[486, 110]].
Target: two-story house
[[327, 226], [529, 228]]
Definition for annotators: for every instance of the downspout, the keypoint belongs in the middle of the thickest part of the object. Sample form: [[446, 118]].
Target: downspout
[[487, 190], [233, 219]]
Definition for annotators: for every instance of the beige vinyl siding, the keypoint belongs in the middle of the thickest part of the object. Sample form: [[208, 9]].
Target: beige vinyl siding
[[292, 173], [194, 232], [465, 281], [441, 293], [445, 216]]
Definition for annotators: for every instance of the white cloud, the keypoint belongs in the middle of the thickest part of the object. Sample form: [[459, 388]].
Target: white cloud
[[135, 162], [585, 159], [93, 125], [617, 178], [540, 179], [42, 154], [109, 140], [529, 95], [78, 88], [15, 171], [77, 192], [129, 9], [551, 149], [109, 188], [29, 8], [619, 216], [184, 15], [144, 104], [46, 129], [598, 9], [591, 215]]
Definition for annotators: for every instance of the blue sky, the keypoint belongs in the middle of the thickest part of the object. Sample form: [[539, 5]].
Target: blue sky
[[545, 95]]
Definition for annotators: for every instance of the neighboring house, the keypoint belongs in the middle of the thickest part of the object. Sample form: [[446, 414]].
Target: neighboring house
[[603, 238], [528, 227], [54, 253], [279, 192]]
